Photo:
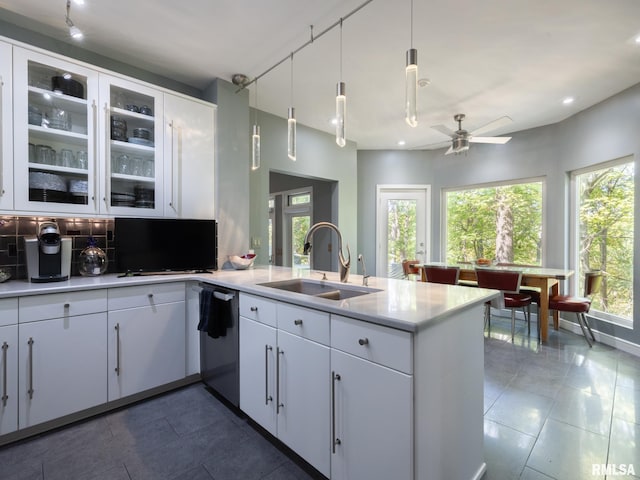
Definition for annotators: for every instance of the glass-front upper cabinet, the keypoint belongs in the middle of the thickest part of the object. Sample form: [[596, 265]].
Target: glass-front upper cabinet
[[55, 128], [6, 129], [132, 132]]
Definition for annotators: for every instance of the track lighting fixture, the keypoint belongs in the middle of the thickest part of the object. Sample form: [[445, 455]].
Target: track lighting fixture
[[341, 103], [291, 123], [255, 139], [74, 31], [411, 82]]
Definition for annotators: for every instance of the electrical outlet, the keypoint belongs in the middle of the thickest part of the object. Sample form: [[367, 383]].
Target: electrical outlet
[[256, 242]]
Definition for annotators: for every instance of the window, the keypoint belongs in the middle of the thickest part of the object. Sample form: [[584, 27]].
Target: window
[[297, 218], [502, 222], [604, 236]]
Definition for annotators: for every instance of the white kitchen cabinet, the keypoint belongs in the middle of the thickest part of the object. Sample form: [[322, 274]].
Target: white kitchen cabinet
[[61, 367], [146, 337], [372, 420], [8, 376], [55, 149], [131, 146], [6, 128], [284, 376], [189, 155], [258, 343]]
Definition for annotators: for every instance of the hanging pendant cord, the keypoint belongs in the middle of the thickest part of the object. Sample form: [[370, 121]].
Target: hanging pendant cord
[[307, 43], [341, 49]]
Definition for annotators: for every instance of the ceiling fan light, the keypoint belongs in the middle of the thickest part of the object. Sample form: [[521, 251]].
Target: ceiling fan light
[[460, 144], [75, 32]]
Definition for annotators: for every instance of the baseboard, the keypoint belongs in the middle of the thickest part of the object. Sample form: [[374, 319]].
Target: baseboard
[[619, 343]]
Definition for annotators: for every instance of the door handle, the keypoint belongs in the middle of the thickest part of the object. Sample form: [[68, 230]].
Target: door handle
[[335, 377], [30, 391], [267, 398], [278, 404], [117, 329], [5, 397]]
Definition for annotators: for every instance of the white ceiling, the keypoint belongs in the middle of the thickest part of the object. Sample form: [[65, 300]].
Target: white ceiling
[[483, 58]]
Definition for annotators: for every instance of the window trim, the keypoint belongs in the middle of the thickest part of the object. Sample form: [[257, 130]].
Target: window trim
[[443, 208], [573, 234]]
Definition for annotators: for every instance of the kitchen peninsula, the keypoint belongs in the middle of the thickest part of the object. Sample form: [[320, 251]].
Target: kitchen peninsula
[[401, 367]]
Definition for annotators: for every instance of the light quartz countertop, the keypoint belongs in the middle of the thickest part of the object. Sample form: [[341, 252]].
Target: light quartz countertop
[[402, 304]]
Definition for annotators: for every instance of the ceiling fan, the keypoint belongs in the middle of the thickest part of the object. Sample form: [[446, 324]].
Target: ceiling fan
[[461, 138]]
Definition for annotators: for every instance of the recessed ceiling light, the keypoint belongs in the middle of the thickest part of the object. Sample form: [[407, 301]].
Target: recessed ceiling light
[[401, 143], [568, 100], [638, 39], [334, 121]]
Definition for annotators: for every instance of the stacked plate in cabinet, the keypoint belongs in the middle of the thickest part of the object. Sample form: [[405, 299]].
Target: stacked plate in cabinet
[[78, 191], [141, 136], [144, 197], [47, 187], [119, 199]]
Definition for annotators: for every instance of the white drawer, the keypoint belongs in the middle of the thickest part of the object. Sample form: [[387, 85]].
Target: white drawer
[[8, 311], [58, 305], [305, 322], [257, 308], [386, 346], [146, 295]]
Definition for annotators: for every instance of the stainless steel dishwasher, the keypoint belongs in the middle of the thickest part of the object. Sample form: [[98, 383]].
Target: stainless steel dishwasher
[[219, 361]]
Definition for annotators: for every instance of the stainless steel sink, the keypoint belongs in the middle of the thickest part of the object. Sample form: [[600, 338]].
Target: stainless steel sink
[[320, 289]]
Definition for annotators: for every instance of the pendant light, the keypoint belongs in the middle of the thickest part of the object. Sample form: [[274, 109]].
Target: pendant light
[[291, 123], [411, 82], [255, 138], [74, 31], [341, 102]]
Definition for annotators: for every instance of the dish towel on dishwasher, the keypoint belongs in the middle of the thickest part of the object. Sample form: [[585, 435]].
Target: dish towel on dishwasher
[[215, 314]]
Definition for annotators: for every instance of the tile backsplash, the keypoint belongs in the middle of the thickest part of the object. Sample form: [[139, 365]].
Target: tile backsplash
[[14, 229]]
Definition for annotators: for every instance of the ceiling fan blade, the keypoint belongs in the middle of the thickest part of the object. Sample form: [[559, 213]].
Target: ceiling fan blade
[[444, 129], [432, 146], [449, 151], [496, 140], [500, 122]]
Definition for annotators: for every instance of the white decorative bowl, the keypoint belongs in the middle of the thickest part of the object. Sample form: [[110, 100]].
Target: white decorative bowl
[[242, 262]]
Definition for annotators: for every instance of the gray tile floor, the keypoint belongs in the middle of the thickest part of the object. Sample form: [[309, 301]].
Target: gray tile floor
[[551, 412]]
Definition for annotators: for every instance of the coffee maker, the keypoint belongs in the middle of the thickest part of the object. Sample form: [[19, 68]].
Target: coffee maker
[[48, 254]]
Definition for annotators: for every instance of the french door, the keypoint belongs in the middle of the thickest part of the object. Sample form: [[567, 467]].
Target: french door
[[402, 227]]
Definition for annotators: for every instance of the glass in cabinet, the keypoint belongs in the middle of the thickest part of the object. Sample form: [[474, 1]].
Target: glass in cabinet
[[55, 155], [6, 128], [133, 145]]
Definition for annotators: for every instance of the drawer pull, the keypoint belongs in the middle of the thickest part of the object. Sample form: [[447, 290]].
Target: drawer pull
[[363, 341], [117, 329], [279, 405], [297, 322], [5, 397], [335, 377], [254, 309], [267, 398], [150, 295], [30, 391], [67, 305]]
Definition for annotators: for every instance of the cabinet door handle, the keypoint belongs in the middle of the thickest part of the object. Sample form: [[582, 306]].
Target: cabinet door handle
[[94, 108], [30, 391], [1, 130], [66, 306], [363, 341], [254, 309], [150, 296], [297, 322], [278, 404], [5, 397], [335, 377], [267, 397], [107, 157], [117, 369], [173, 202]]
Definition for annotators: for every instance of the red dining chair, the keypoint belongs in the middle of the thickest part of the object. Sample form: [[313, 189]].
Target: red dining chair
[[442, 274], [409, 268], [580, 305], [533, 291], [508, 282]]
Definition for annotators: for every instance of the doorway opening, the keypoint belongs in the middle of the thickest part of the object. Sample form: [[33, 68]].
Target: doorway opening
[[296, 203], [402, 227]]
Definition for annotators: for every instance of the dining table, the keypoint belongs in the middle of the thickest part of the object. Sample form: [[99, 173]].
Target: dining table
[[547, 280]]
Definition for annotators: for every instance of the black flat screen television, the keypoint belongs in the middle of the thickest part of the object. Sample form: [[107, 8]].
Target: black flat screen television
[[147, 245]]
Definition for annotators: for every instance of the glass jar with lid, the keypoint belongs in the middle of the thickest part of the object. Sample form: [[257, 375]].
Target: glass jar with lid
[[92, 260]]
